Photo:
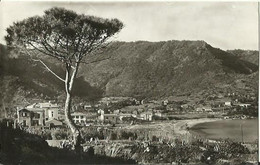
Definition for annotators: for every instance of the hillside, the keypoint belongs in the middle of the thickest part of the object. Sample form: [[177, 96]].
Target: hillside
[[247, 55], [149, 69], [22, 78], [138, 69]]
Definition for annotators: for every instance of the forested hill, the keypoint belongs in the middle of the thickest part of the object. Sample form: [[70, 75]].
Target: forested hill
[[155, 69], [247, 55], [139, 69]]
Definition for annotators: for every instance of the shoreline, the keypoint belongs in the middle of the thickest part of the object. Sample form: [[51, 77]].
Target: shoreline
[[181, 126], [233, 126]]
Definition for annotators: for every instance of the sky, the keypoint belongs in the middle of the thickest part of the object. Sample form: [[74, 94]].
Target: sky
[[225, 25]]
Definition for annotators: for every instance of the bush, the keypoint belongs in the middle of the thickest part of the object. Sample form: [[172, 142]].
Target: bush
[[19, 147], [47, 136], [61, 134], [92, 132], [233, 149], [123, 135], [154, 138], [210, 116], [112, 136]]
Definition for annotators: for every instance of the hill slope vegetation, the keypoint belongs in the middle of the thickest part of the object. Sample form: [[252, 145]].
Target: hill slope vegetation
[[139, 69]]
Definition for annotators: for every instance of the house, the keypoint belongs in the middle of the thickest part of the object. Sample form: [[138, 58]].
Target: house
[[184, 106], [24, 117], [51, 110], [116, 111], [79, 117], [165, 102], [243, 105], [207, 109], [91, 116], [101, 111], [159, 114], [199, 109], [147, 116], [30, 118], [227, 103], [51, 114], [38, 117], [87, 107], [109, 118]]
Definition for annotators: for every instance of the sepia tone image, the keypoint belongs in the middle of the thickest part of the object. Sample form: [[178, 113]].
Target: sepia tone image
[[112, 82]]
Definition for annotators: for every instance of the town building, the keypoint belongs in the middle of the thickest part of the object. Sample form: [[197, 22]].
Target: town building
[[184, 106], [114, 118], [88, 107], [91, 117], [228, 103], [158, 113], [116, 111], [165, 102], [79, 118], [109, 118], [242, 105], [147, 116], [101, 111], [51, 110], [30, 118], [199, 109], [207, 109]]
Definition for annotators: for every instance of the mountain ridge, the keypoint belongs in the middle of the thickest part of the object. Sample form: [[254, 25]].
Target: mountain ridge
[[171, 54], [141, 69]]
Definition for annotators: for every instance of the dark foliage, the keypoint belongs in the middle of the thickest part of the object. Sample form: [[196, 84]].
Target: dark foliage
[[247, 55], [233, 62], [18, 147]]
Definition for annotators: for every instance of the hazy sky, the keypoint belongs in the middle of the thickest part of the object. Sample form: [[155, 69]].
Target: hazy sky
[[226, 25]]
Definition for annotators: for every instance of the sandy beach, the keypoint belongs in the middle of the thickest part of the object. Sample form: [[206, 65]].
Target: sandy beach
[[180, 126], [170, 129]]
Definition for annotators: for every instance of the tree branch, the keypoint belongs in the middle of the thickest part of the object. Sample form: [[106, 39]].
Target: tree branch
[[67, 78], [73, 76], [49, 69]]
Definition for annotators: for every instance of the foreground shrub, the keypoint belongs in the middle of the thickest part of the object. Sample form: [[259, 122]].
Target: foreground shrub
[[61, 134]]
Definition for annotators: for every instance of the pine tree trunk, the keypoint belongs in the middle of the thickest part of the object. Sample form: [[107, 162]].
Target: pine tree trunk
[[69, 121], [67, 109]]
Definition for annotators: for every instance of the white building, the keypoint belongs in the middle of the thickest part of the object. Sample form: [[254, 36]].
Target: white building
[[243, 105], [50, 109], [227, 103], [199, 109], [79, 118], [207, 109], [146, 116]]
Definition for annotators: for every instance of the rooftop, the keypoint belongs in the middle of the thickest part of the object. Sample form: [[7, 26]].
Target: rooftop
[[78, 114], [43, 105]]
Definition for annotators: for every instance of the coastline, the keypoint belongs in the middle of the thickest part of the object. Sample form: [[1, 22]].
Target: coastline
[[181, 126], [225, 129]]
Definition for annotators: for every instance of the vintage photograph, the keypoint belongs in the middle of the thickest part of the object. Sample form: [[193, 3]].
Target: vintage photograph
[[135, 82]]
